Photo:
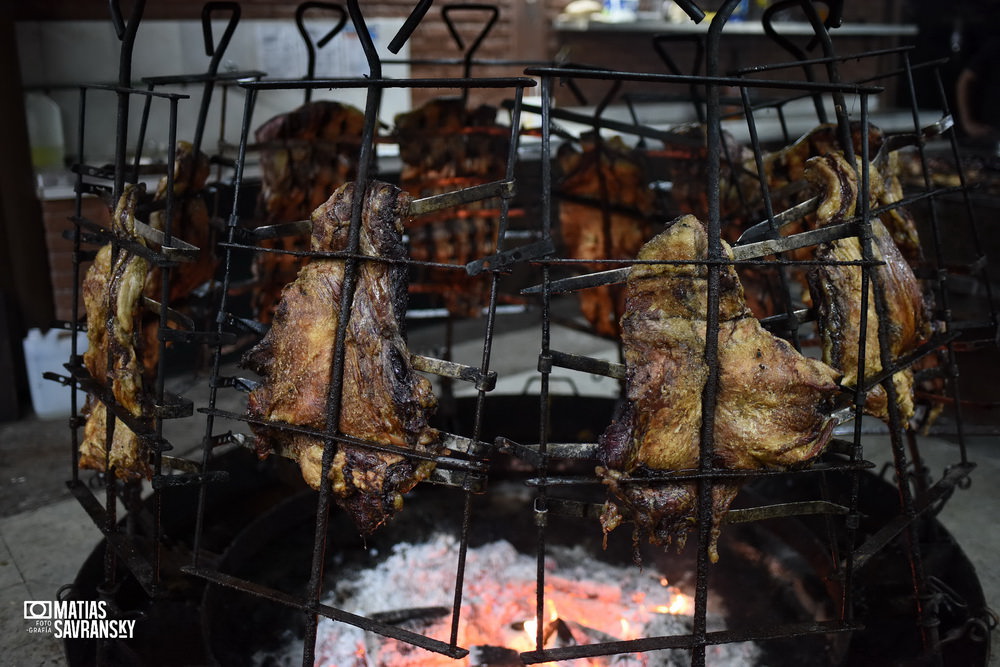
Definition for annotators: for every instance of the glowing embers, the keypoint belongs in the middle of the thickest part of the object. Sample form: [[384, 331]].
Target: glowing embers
[[587, 601]]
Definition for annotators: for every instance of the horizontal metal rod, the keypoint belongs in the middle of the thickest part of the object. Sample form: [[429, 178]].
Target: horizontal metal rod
[[332, 613], [821, 61], [668, 476], [177, 317], [179, 79], [445, 461], [180, 250], [128, 245], [687, 641], [134, 91], [620, 275], [795, 241], [582, 509], [502, 189], [728, 81], [299, 84]]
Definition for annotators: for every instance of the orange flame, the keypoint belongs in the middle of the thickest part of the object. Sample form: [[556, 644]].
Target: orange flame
[[680, 604]]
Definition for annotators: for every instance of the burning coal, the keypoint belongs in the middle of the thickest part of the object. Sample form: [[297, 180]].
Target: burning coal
[[587, 601]]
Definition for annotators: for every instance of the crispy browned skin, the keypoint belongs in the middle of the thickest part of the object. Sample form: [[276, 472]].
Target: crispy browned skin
[[604, 172], [111, 291], [887, 188], [191, 223], [446, 147], [383, 399], [836, 291], [772, 407], [789, 165], [305, 155]]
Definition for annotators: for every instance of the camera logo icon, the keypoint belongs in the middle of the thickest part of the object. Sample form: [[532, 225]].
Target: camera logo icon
[[38, 610]]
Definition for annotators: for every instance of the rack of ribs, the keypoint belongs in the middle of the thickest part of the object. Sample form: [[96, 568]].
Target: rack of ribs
[[836, 291], [112, 291], [383, 400], [444, 147], [772, 408], [305, 155], [604, 203]]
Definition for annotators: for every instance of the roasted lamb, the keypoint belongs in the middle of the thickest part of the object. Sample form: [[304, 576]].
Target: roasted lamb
[[445, 147], [305, 155], [772, 407], [836, 291], [786, 167], [383, 399], [604, 203], [112, 292], [191, 223]]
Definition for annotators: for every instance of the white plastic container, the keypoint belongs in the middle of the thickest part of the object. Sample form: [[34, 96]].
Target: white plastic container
[[48, 352], [45, 132]]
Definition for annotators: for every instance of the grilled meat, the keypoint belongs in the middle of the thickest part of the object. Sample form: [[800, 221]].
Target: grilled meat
[[305, 155], [112, 290], [772, 406], [445, 147], [687, 168], [836, 291], [786, 167], [887, 188], [604, 201], [383, 399], [191, 223]]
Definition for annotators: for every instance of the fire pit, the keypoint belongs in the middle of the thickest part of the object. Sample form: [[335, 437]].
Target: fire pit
[[595, 594]]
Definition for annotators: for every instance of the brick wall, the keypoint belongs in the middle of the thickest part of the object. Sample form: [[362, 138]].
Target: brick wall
[[55, 216]]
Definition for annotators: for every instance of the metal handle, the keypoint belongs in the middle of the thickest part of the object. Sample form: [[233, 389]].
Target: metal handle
[[411, 23], [311, 48], [448, 10], [692, 9], [206, 28]]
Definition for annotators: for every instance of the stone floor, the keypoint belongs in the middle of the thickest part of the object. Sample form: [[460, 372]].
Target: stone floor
[[45, 535]]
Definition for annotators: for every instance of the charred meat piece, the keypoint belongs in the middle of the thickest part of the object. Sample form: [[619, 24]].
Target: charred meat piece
[[687, 168], [836, 291], [446, 147], [887, 188], [383, 399], [305, 155], [772, 407], [191, 223], [788, 166], [604, 203], [112, 290]]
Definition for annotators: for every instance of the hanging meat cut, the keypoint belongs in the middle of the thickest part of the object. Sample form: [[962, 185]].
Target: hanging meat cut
[[383, 400], [112, 290], [191, 223], [305, 155], [604, 203], [836, 291], [445, 147], [772, 407]]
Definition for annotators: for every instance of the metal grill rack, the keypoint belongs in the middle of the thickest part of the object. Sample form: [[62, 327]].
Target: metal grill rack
[[466, 468], [914, 502]]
